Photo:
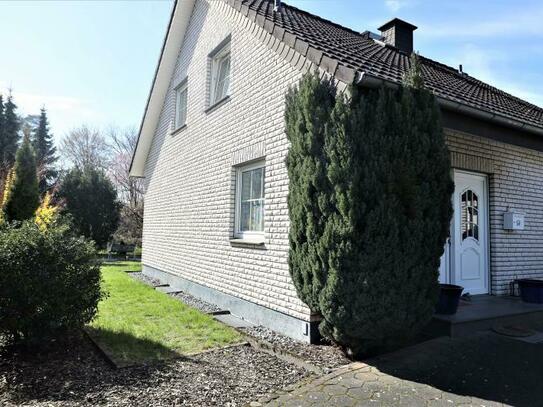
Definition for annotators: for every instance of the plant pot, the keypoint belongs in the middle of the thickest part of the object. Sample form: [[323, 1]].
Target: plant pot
[[531, 290], [449, 296]]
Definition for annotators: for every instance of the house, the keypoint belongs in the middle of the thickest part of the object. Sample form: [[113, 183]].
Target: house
[[212, 149]]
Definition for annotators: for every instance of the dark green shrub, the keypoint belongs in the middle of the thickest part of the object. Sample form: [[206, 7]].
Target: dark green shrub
[[308, 111], [387, 189], [91, 199], [23, 197], [49, 282]]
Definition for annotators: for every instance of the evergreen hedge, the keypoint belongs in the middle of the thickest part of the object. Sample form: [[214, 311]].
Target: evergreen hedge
[[49, 282], [369, 203]]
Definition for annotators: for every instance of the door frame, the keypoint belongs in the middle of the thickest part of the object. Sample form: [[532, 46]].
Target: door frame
[[450, 246]]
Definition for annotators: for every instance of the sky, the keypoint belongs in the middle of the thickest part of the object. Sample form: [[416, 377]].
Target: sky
[[93, 62]]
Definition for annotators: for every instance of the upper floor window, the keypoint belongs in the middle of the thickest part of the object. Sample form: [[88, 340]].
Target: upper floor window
[[181, 99], [220, 74], [250, 200]]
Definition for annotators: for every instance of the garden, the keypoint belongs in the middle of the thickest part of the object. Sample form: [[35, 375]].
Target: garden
[[365, 245]]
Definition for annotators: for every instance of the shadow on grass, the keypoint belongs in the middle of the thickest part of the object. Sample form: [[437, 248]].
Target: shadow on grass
[[122, 349], [487, 366], [71, 370]]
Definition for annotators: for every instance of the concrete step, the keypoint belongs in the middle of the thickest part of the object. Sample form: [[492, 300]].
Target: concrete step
[[486, 312], [167, 289], [233, 321]]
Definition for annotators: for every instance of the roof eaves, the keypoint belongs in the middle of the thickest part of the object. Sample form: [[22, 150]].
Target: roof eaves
[[455, 105]]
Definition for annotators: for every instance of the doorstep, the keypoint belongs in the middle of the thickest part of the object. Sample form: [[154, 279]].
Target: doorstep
[[483, 312]]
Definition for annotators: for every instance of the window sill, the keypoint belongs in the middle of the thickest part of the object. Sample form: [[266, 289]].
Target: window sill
[[178, 130], [217, 104], [247, 242]]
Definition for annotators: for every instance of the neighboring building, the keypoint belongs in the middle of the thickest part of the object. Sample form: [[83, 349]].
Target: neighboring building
[[212, 149]]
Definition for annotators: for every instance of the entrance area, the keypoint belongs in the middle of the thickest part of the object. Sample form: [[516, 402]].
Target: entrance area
[[465, 261]]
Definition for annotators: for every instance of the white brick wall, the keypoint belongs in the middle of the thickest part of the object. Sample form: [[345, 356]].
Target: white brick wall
[[515, 183], [189, 199], [189, 208]]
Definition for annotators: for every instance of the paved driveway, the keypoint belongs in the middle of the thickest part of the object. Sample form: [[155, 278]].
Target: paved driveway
[[485, 370]]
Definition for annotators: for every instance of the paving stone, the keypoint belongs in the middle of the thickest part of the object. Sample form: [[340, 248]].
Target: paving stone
[[334, 389], [360, 393], [342, 401]]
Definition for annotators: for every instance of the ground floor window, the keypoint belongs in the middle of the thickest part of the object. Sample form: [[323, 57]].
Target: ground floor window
[[250, 200]]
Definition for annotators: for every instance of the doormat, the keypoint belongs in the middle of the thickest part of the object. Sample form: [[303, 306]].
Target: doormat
[[515, 331]]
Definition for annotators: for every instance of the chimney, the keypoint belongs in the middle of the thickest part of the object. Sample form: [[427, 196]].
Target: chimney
[[399, 34]]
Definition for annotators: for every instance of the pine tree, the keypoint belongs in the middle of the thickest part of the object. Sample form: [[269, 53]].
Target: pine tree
[[387, 187], [308, 109], [23, 197], [413, 78], [42, 142], [9, 138]]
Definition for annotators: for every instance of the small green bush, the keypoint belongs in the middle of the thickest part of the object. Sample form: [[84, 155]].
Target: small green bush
[[49, 282]]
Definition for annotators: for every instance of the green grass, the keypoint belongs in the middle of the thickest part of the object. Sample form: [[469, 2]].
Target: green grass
[[136, 324]]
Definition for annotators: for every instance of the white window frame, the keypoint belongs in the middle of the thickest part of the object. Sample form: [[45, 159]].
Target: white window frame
[[181, 120], [216, 59], [257, 236]]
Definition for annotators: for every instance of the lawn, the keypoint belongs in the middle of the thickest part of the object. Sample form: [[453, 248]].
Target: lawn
[[136, 324]]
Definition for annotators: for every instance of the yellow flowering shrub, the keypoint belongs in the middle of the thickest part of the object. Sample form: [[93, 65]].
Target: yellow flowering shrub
[[10, 178], [46, 213]]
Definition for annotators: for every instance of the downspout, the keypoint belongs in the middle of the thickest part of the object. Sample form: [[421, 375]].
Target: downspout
[[367, 80]]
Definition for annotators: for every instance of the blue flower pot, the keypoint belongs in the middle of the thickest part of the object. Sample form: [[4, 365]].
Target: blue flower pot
[[449, 297], [531, 290]]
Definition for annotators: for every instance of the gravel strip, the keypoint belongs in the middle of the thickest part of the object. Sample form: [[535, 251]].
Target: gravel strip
[[138, 275], [324, 356], [195, 302], [80, 377], [182, 296]]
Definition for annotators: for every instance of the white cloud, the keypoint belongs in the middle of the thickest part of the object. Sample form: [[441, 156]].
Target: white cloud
[[396, 5]]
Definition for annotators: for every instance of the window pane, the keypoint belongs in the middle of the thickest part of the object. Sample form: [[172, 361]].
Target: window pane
[[222, 80], [257, 178], [245, 216], [245, 186], [470, 215], [181, 107], [251, 200]]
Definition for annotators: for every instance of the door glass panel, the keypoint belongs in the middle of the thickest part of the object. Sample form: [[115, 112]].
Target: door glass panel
[[470, 215]]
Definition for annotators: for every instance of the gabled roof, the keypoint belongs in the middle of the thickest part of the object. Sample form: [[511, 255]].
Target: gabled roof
[[348, 55], [357, 53]]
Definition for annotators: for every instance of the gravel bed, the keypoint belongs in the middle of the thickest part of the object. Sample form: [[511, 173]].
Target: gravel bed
[[324, 356], [74, 374], [181, 296], [195, 302], [138, 275]]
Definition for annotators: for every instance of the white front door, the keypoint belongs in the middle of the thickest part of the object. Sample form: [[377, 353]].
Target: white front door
[[465, 261]]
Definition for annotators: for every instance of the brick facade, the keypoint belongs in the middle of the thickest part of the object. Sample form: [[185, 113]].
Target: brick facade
[[189, 202], [190, 184], [515, 176]]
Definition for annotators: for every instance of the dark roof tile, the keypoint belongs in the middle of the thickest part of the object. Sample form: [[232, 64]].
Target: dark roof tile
[[352, 51]]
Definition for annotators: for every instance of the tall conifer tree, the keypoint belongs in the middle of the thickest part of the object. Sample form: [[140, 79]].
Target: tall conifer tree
[[385, 205], [42, 142], [10, 135], [23, 198]]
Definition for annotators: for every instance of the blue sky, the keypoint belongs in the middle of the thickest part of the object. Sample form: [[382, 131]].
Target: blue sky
[[93, 61]]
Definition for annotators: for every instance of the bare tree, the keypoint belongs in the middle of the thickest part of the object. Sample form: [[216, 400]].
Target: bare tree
[[122, 144], [86, 146]]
